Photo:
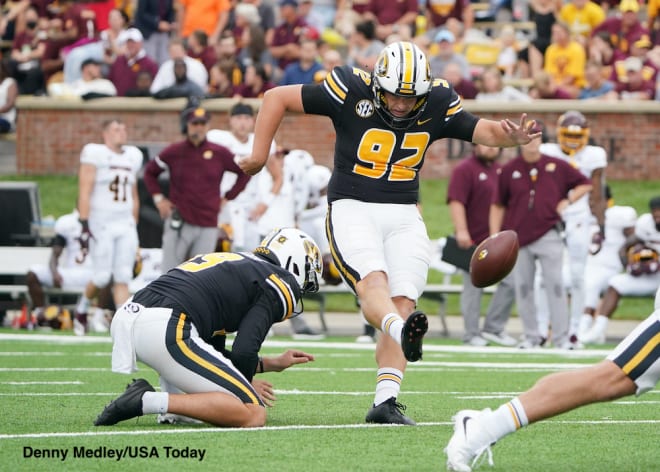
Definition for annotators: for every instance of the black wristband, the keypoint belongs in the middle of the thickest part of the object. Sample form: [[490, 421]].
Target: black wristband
[[261, 365], [85, 225], [602, 229]]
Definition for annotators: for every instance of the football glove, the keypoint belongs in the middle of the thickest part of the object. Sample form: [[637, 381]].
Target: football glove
[[84, 238]]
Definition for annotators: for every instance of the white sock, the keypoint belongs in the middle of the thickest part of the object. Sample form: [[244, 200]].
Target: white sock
[[393, 324], [508, 418], [388, 384], [155, 402], [83, 304], [600, 324], [586, 321]]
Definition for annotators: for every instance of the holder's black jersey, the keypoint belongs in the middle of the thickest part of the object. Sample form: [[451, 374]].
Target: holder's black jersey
[[373, 162], [225, 292]]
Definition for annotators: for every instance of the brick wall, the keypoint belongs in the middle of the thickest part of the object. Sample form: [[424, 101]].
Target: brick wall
[[51, 133]]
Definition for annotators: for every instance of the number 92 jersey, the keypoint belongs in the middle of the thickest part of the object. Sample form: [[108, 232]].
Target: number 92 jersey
[[116, 174], [373, 162]]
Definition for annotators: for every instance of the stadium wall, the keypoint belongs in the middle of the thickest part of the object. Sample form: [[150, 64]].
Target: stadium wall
[[51, 132]]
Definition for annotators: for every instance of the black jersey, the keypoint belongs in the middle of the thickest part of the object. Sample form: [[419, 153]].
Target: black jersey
[[373, 162], [225, 292]]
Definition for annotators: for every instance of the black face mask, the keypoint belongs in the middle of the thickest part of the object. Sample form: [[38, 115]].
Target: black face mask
[[31, 24]]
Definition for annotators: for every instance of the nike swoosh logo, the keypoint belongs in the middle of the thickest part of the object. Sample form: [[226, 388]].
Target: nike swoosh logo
[[465, 420], [421, 122]]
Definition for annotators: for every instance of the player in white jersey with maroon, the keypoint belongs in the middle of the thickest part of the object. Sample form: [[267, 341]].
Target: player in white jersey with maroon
[[67, 267], [108, 205], [603, 261], [642, 276], [572, 137], [239, 140]]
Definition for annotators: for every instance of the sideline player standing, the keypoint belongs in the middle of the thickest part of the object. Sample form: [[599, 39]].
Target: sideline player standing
[[108, 206], [572, 146], [384, 122]]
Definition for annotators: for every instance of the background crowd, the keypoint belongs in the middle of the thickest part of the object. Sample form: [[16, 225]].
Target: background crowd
[[227, 48]]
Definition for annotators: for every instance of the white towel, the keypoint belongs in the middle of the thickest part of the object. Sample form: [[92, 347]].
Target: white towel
[[121, 329]]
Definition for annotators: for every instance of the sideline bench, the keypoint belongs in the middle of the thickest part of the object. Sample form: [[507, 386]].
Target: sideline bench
[[15, 262]]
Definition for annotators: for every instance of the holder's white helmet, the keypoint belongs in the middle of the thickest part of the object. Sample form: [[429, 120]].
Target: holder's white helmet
[[402, 69], [297, 253]]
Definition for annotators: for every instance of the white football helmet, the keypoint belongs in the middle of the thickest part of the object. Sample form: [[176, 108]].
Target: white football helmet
[[297, 253], [318, 177], [401, 69]]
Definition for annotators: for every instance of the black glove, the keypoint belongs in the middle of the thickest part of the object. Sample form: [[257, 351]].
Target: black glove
[[83, 239]]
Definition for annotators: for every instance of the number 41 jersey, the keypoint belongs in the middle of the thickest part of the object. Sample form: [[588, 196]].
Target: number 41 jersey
[[374, 162], [116, 174]]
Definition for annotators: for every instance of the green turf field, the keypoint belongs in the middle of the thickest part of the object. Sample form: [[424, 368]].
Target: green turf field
[[52, 388]]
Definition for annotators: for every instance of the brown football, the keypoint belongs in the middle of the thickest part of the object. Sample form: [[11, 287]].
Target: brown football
[[494, 258]]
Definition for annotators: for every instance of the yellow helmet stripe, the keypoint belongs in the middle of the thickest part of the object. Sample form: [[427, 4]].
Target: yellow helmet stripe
[[408, 66]]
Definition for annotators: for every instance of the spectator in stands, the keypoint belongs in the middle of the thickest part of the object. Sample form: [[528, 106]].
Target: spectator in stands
[[653, 21], [393, 17], [507, 58], [28, 49], [285, 46], [544, 13], [306, 68], [123, 72], [642, 276], [195, 70], [220, 84], [331, 59], [492, 88], [256, 83], [603, 52], [142, 85], [226, 53], [183, 86], [625, 28], [437, 14], [469, 194], [544, 87], [596, 87], [636, 87], [8, 95], [445, 40], [199, 49], [105, 49], [244, 15], [255, 50], [465, 88], [14, 11], [91, 84], [208, 15], [565, 59], [581, 16], [156, 21], [642, 50], [266, 17], [364, 47]]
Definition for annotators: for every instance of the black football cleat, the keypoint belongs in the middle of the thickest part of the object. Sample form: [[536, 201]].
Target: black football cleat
[[389, 412], [412, 335], [126, 406]]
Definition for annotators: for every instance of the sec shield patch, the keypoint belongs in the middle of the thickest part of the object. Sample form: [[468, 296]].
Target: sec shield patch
[[364, 108]]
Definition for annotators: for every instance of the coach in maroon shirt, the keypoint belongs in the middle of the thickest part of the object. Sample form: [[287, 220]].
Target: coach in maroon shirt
[[532, 192], [196, 167], [470, 191]]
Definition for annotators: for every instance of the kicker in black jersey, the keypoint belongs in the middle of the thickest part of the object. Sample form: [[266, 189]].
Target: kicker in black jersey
[[374, 162]]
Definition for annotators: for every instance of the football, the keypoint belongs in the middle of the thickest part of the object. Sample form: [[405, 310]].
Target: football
[[494, 258]]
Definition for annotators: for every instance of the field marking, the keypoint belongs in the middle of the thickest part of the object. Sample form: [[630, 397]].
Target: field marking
[[75, 382], [213, 430], [428, 348]]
